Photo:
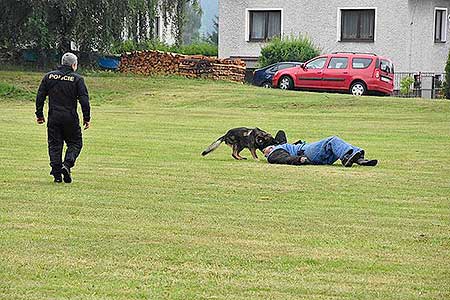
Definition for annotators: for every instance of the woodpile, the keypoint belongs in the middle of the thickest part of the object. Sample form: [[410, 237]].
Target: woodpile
[[193, 66]]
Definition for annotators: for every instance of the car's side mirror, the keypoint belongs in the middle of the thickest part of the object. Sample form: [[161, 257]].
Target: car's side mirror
[[303, 66]]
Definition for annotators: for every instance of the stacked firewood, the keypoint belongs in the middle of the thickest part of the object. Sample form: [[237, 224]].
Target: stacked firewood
[[194, 66]]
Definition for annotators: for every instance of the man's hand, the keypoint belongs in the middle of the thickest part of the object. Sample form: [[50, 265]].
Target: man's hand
[[86, 124], [40, 120], [304, 160]]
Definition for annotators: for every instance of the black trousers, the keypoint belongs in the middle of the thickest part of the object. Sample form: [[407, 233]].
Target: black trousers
[[283, 157], [59, 131]]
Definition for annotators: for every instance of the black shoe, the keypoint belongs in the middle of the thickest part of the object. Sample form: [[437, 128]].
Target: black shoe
[[66, 174], [367, 162], [57, 178], [281, 138], [349, 159]]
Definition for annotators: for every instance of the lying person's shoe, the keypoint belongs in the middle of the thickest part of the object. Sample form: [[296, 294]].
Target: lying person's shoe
[[280, 137], [57, 178], [66, 174], [367, 162], [349, 159]]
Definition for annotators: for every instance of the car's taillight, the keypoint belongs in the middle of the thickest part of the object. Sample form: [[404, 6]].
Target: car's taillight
[[377, 74]]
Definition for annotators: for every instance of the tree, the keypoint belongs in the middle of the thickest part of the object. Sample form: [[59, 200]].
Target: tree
[[291, 48], [213, 37], [15, 14], [447, 78], [193, 21], [174, 12], [92, 24]]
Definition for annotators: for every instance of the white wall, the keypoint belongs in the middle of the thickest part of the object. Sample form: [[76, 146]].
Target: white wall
[[411, 47]]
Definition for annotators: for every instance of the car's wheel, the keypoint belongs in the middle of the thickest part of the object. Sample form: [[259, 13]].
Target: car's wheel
[[267, 85], [286, 83], [358, 88]]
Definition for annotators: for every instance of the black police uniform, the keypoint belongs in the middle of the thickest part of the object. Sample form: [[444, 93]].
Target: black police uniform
[[64, 88]]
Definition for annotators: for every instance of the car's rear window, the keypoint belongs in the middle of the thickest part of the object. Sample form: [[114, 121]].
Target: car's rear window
[[273, 69], [386, 66], [361, 63], [285, 66]]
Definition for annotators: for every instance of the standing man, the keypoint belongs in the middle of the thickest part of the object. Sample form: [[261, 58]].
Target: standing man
[[64, 88], [323, 152]]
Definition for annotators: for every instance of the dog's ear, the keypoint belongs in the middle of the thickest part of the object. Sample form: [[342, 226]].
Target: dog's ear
[[257, 130]]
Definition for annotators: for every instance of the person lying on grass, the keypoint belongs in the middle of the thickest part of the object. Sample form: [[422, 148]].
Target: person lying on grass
[[323, 152]]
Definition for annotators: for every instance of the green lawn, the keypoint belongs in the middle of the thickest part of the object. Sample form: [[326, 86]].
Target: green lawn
[[148, 218]]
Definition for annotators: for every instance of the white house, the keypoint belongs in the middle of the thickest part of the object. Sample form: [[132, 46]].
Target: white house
[[413, 33], [163, 32]]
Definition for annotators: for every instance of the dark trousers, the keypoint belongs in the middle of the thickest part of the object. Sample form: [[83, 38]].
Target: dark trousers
[[283, 157], [58, 132]]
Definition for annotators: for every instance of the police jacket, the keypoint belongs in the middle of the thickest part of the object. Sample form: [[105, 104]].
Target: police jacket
[[64, 88]]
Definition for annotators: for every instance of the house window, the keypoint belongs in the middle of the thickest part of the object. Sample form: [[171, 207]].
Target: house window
[[357, 25], [264, 25], [440, 25]]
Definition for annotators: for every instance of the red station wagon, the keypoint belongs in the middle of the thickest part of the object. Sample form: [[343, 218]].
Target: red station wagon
[[357, 73]]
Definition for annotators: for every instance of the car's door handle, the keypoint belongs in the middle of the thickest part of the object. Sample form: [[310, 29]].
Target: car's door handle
[[345, 72]]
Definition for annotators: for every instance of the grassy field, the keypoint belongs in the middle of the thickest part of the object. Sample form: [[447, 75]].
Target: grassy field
[[148, 218]]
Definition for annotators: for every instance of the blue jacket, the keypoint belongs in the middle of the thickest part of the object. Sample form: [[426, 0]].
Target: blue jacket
[[293, 150]]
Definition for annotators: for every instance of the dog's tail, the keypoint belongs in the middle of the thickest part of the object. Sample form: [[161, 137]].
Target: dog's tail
[[213, 146]]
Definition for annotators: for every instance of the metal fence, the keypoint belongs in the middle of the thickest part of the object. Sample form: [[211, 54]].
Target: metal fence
[[424, 85]]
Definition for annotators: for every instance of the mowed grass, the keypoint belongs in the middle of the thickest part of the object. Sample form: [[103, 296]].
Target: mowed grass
[[148, 218]]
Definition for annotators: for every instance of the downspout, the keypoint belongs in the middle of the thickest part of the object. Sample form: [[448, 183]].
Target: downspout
[[411, 36]]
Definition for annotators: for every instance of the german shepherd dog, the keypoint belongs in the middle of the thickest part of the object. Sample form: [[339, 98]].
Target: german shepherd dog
[[250, 138]]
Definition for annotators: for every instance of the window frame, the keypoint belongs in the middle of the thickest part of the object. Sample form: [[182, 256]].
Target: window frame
[[249, 23], [444, 25], [340, 21], [157, 27]]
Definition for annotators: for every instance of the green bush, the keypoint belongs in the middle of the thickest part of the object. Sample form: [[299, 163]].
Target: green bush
[[405, 85], [122, 47], [200, 47], [12, 92], [447, 79], [292, 48]]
